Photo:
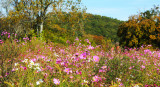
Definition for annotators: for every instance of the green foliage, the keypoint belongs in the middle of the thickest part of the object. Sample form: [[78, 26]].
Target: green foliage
[[102, 26], [60, 29], [9, 51]]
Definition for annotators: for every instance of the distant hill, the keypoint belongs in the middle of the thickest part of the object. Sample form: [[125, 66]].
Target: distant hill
[[102, 26], [67, 27]]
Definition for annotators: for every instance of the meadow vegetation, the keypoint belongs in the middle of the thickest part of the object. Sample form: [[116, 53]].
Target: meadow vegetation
[[34, 63], [68, 47]]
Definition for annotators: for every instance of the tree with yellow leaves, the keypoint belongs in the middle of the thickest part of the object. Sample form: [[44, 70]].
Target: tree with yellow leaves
[[142, 29], [32, 13]]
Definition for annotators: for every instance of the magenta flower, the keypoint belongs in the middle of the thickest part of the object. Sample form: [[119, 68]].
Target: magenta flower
[[100, 70], [95, 58], [67, 41], [34, 60], [78, 72], [8, 36], [95, 79], [158, 55], [76, 54], [83, 55], [58, 61], [1, 41], [56, 81], [24, 68]]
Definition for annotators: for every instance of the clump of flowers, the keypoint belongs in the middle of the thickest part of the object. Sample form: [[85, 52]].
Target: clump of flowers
[[81, 65], [96, 78], [67, 70], [56, 81]]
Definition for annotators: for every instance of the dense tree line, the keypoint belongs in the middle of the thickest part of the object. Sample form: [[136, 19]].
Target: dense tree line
[[141, 29]]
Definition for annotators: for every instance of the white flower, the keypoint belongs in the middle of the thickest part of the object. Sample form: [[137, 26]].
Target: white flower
[[31, 63], [29, 66], [136, 86], [37, 68], [132, 76], [25, 61], [16, 64], [39, 82], [85, 81], [37, 64], [89, 59], [118, 79], [56, 54]]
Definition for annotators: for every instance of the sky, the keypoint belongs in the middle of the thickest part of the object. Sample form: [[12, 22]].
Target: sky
[[119, 9]]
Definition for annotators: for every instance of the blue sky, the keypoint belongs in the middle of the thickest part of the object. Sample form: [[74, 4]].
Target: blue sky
[[120, 9]]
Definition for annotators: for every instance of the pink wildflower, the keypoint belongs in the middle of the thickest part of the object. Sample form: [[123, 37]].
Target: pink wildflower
[[67, 70], [8, 36], [95, 58], [158, 55], [100, 70], [1, 41], [78, 72], [76, 54], [143, 67], [77, 39], [34, 59], [83, 55], [90, 47], [130, 67], [71, 77], [103, 67], [56, 81], [118, 79], [67, 41], [58, 61], [95, 79]]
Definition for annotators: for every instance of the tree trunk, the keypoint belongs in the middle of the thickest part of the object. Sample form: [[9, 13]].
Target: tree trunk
[[41, 30]]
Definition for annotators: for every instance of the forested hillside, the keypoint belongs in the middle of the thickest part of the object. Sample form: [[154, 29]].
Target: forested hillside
[[92, 25], [102, 26]]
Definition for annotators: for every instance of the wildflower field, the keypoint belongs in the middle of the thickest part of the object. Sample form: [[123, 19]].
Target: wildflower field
[[34, 63]]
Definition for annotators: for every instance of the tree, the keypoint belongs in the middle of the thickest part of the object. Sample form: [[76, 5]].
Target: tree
[[35, 10], [6, 5], [142, 29]]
